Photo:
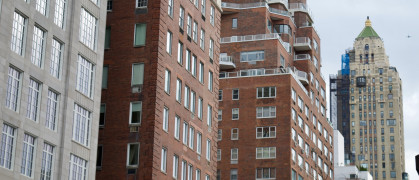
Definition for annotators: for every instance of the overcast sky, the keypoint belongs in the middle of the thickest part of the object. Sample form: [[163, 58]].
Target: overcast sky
[[340, 21]]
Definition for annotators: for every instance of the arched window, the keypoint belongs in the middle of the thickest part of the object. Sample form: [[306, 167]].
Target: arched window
[[367, 47]]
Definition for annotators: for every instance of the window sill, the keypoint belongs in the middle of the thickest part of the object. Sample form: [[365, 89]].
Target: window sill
[[134, 125], [132, 166]]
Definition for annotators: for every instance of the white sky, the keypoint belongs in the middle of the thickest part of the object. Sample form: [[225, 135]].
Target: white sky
[[340, 21]]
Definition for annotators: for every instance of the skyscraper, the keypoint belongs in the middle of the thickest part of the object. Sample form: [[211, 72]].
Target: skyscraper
[[51, 66], [272, 101], [159, 96], [376, 136]]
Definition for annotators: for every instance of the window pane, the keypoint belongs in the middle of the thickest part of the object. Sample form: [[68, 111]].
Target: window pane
[[140, 34], [137, 74]]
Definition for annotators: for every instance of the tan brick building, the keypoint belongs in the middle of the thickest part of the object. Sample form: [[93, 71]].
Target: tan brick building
[[272, 101], [376, 107], [159, 106]]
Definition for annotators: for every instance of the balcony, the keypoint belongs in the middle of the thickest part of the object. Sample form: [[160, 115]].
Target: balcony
[[257, 37], [301, 57], [302, 44], [283, 2], [279, 12], [229, 8], [301, 7], [226, 63]]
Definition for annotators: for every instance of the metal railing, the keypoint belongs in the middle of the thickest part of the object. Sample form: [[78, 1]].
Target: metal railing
[[266, 72], [284, 2], [280, 12], [300, 7], [302, 40], [226, 59], [256, 37], [302, 57], [243, 5]]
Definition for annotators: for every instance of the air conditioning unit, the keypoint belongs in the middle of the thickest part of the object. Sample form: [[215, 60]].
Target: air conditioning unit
[[137, 88], [134, 129]]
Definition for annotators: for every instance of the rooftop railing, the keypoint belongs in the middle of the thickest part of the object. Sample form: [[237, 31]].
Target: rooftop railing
[[257, 37], [267, 72], [243, 5]]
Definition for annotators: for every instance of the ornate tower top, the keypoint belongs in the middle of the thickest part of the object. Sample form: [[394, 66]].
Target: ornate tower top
[[368, 31]]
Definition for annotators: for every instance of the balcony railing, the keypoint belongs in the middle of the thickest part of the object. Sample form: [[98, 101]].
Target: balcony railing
[[302, 43], [226, 62], [302, 40], [226, 59], [298, 75], [280, 12], [242, 5], [284, 2], [257, 37], [302, 57]]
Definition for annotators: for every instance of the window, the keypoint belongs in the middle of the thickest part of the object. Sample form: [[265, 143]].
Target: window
[[135, 115], [265, 152], [18, 33], [234, 155], [170, 8], [218, 154], [266, 132], [193, 66], [167, 77], [38, 46], [201, 72], [212, 13], [185, 133], [140, 34], [186, 101], [197, 171], [59, 13], [56, 58], [193, 102], [200, 107], [85, 72], [181, 17], [98, 157], [163, 159], [190, 172], [209, 116], [235, 94], [28, 155], [41, 6], [393, 174], [208, 150], [178, 90], [180, 53], [293, 95], [234, 23], [198, 142], [266, 92], [7, 146], [195, 31], [300, 103], [220, 95], [203, 7], [81, 125], [202, 42], [189, 26], [177, 126], [183, 171], [250, 56], [191, 137], [266, 112], [188, 60], [265, 173], [235, 114], [175, 166], [88, 30], [52, 109], [166, 119], [33, 100], [78, 168], [109, 5], [47, 162], [211, 49], [133, 154], [169, 41], [13, 89], [105, 77], [220, 115], [210, 80], [234, 134]]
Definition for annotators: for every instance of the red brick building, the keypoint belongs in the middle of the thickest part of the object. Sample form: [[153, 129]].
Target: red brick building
[[159, 98], [272, 100]]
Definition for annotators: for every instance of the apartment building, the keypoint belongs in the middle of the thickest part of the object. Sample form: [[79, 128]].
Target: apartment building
[[374, 108], [159, 93], [51, 55], [272, 104]]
